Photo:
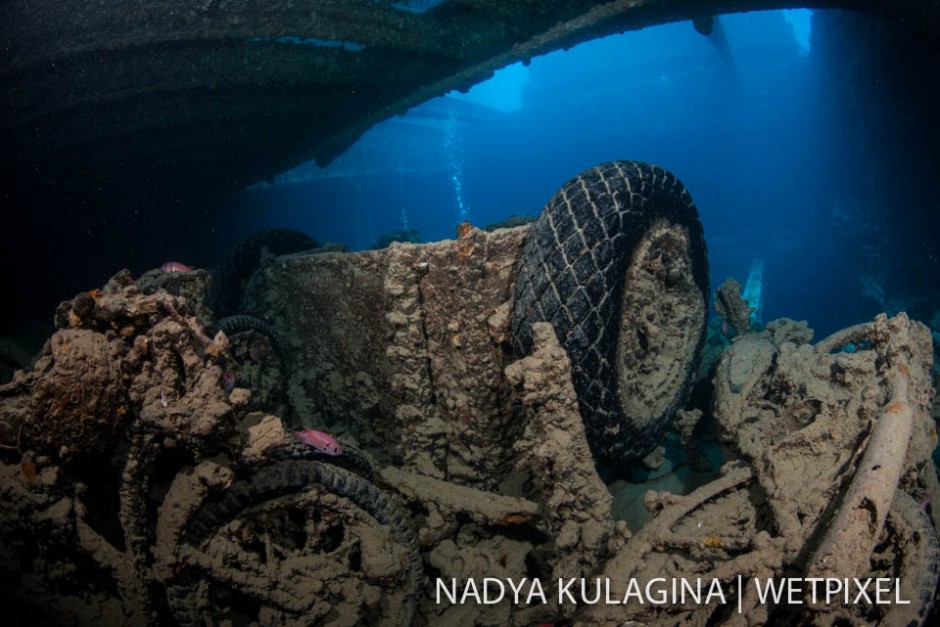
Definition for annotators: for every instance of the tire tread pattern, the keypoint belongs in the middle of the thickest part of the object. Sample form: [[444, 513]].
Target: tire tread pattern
[[572, 274]]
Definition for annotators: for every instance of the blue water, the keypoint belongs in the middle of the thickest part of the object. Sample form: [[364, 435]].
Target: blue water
[[751, 129]]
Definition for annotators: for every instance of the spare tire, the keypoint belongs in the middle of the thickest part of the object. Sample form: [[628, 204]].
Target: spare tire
[[616, 262]]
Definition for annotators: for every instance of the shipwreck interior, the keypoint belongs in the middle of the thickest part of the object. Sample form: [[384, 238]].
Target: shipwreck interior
[[290, 432], [169, 112]]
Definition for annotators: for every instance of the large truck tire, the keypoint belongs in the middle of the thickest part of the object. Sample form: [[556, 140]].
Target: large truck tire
[[616, 262]]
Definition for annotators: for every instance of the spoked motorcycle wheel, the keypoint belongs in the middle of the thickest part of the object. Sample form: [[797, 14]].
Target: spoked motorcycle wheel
[[298, 543]]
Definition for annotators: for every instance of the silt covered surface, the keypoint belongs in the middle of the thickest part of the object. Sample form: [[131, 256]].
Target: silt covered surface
[[401, 354]]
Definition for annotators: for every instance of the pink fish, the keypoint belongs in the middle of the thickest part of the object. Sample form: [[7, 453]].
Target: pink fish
[[228, 380], [323, 442], [175, 266]]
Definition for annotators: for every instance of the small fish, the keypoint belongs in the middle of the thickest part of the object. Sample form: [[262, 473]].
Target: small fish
[[228, 381], [323, 442], [257, 351], [175, 266]]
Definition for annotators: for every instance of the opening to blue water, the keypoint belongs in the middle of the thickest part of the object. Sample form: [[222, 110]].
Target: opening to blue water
[[741, 115]]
